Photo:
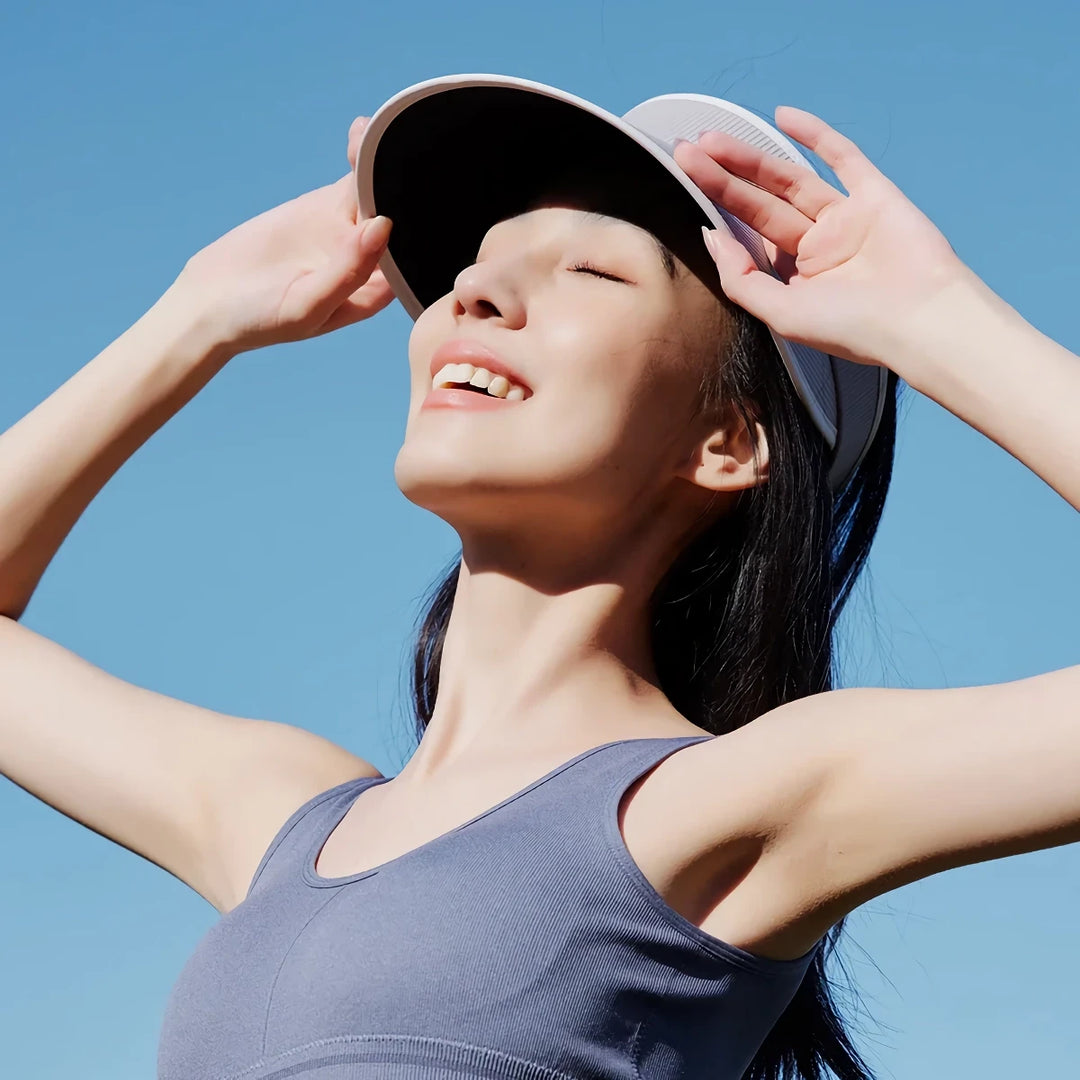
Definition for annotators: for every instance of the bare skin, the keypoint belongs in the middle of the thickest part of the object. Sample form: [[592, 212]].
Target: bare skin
[[568, 509]]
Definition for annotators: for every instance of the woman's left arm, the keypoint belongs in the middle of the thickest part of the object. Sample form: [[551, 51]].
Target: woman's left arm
[[894, 785]]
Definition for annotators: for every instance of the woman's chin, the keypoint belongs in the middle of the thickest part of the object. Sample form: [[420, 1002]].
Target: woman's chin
[[438, 472], [447, 492], [471, 505]]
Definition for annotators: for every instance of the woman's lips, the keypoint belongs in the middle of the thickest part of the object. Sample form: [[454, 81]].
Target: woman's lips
[[465, 350], [446, 397]]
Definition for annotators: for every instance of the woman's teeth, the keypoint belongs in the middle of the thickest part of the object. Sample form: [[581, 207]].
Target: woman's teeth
[[495, 385]]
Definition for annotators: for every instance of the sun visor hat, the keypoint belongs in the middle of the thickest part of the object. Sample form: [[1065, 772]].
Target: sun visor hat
[[447, 158]]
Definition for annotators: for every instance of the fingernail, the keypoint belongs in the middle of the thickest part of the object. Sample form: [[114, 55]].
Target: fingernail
[[710, 240]]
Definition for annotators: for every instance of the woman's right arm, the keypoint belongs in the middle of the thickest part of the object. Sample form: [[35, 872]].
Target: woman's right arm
[[58, 457], [197, 792]]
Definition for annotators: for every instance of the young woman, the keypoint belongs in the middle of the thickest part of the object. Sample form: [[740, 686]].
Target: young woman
[[638, 814]]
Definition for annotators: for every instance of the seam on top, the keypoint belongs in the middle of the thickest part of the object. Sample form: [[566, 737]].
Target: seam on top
[[433, 1043], [635, 1049], [281, 965], [663, 996], [293, 820]]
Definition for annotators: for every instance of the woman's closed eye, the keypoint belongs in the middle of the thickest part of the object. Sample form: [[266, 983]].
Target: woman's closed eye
[[586, 267]]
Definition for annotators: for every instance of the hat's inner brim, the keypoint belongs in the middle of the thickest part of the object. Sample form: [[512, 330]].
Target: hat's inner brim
[[455, 163]]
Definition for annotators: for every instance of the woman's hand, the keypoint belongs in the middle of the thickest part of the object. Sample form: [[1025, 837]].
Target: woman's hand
[[302, 269], [856, 270]]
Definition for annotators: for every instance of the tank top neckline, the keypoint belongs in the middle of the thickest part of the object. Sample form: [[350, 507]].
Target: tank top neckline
[[353, 789]]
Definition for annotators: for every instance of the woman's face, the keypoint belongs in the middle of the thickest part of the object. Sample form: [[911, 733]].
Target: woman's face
[[609, 345]]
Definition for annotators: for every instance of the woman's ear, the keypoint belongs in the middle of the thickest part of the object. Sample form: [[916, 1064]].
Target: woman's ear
[[724, 459]]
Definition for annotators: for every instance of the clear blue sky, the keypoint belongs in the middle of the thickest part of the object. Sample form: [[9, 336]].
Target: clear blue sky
[[256, 556]]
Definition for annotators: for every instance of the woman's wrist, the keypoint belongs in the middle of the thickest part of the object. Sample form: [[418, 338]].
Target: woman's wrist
[[186, 328], [945, 338], [976, 356]]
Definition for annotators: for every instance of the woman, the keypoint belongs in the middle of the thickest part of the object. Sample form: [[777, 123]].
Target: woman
[[638, 811]]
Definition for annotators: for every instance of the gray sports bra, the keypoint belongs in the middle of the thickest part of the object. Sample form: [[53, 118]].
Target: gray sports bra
[[524, 944]]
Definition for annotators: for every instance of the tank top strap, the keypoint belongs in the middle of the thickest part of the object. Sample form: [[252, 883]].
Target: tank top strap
[[584, 806], [613, 767], [293, 840], [584, 800]]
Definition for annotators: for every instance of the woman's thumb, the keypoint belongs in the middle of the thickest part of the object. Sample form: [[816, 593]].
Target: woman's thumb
[[320, 292]]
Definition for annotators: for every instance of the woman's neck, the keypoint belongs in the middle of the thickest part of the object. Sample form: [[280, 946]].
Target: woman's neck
[[524, 670]]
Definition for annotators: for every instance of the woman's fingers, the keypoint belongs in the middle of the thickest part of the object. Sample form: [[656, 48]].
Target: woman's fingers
[[347, 183], [850, 164], [315, 296], [795, 184], [768, 214], [345, 190], [356, 132], [752, 289]]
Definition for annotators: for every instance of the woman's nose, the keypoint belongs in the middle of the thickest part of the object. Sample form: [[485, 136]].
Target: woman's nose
[[486, 291]]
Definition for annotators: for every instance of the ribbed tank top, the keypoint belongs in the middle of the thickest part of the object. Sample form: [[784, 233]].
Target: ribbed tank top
[[524, 944]]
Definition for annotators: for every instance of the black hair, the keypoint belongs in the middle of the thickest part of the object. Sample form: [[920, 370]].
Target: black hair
[[743, 620]]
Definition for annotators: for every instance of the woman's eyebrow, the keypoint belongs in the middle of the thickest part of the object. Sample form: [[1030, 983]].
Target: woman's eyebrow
[[667, 257]]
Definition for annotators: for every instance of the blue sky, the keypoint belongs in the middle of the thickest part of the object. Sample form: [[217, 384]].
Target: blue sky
[[256, 556]]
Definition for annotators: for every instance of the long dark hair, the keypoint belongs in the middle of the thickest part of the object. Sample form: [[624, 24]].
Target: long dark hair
[[743, 621]]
